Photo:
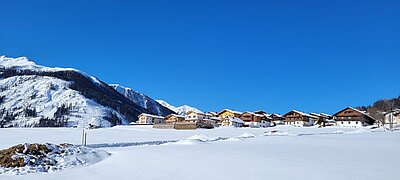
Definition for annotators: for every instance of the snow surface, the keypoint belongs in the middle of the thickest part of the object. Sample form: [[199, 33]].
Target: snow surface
[[282, 152], [181, 110]]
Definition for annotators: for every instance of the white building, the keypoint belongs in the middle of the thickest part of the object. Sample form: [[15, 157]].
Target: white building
[[299, 119], [232, 121], [392, 119], [261, 124], [201, 119], [150, 119]]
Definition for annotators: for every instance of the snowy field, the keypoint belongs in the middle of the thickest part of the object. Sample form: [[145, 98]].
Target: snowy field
[[141, 152]]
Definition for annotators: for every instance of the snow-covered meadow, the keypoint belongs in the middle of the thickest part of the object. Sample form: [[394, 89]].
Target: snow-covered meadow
[[141, 152]]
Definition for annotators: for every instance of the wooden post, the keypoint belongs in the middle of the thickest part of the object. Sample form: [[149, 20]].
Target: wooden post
[[85, 138]]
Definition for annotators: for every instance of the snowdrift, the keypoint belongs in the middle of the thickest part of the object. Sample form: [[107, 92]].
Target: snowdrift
[[34, 158]]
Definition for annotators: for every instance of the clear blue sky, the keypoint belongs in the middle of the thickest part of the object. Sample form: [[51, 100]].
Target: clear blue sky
[[314, 56]]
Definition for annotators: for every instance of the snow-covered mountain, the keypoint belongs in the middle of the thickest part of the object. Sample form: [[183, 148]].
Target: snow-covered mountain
[[44, 101], [142, 100], [33, 95], [181, 110]]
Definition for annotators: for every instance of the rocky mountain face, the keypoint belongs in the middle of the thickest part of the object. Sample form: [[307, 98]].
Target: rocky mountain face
[[142, 100]]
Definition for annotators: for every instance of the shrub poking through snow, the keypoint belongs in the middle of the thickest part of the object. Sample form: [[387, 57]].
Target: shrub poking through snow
[[32, 158]]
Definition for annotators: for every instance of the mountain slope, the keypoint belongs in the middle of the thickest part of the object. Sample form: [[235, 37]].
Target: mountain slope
[[181, 110], [142, 100], [30, 101], [85, 98]]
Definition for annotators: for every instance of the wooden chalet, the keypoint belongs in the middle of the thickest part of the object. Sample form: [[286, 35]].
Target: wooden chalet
[[351, 117], [174, 118], [224, 114], [277, 119], [299, 119], [254, 119]]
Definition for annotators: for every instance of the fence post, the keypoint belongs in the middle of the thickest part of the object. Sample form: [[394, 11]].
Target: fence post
[[83, 136]]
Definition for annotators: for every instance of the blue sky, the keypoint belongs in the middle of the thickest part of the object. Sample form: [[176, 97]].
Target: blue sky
[[314, 56]]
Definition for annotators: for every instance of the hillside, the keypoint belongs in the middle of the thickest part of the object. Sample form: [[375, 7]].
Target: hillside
[[380, 107], [32, 95], [142, 100]]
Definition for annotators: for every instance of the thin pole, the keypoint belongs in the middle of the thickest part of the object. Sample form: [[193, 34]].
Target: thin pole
[[85, 138]]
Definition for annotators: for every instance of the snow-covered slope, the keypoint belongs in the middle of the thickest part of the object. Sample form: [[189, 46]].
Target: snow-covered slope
[[23, 63], [34, 95], [181, 110], [28, 100], [142, 100]]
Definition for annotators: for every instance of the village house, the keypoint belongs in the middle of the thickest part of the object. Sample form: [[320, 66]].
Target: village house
[[232, 121], [277, 119], [229, 113], [230, 118], [392, 119], [299, 119], [193, 116], [150, 119], [201, 119], [174, 118], [259, 119], [351, 117], [323, 119]]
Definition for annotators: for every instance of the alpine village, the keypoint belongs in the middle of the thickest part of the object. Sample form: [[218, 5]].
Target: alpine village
[[348, 117]]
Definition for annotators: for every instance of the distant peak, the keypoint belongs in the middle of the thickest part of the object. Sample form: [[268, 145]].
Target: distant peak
[[23, 63], [181, 110]]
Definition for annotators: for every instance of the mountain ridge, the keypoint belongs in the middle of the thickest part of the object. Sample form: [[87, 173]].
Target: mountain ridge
[[181, 110]]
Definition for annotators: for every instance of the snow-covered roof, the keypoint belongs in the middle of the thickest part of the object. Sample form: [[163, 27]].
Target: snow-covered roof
[[362, 112], [212, 113], [354, 109], [324, 114], [151, 115], [176, 115], [196, 112], [215, 118], [235, 112], [277, 115], [302, 113], [209, 114], [235, 119], [259, 115]]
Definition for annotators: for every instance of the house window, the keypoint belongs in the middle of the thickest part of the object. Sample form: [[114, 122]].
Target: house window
[[342, 122], [356, 122], [349, 122]]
